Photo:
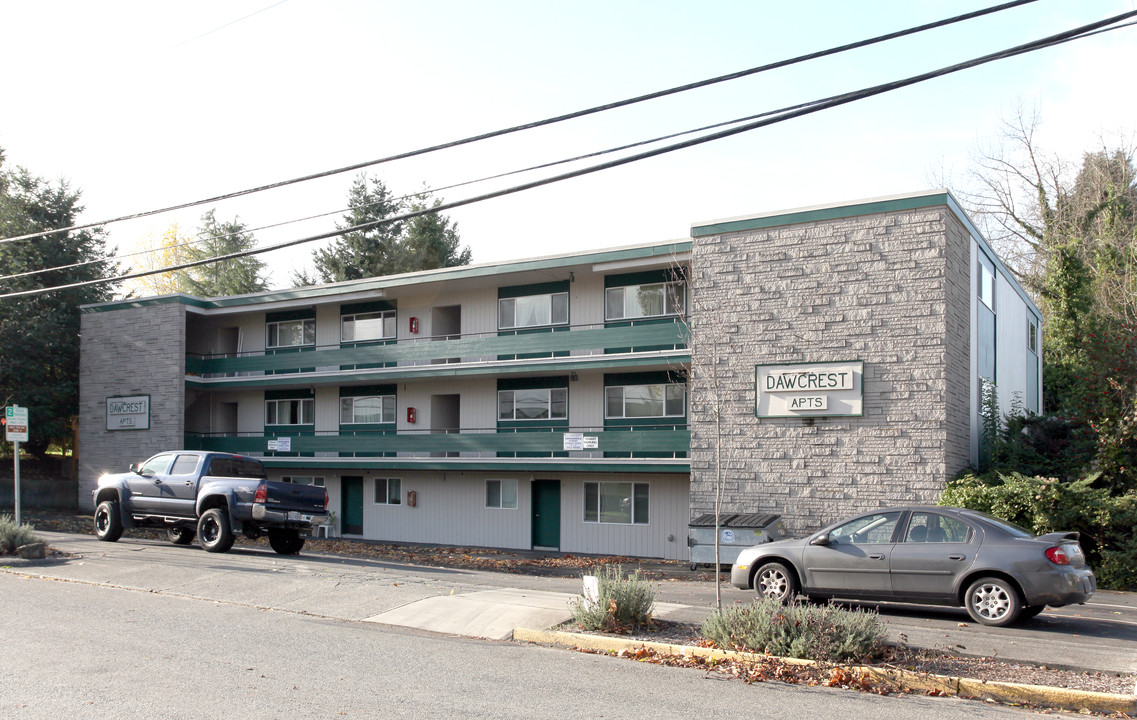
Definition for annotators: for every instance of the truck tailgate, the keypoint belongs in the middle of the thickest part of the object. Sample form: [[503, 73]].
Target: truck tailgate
[[284, 496]]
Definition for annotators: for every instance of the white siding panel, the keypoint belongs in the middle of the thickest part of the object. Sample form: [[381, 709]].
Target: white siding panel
[[665, 535]]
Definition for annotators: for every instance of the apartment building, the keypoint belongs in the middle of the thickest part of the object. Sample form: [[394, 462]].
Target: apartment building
[[575, 402]]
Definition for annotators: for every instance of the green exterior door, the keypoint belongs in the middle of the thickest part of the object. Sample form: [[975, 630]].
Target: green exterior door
[[351, 506], [547, 514]]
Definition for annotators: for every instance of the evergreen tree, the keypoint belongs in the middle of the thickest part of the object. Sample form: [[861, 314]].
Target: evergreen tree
[[39, 334], [363, 253], [425, 242], [432, 241], [237, 276]]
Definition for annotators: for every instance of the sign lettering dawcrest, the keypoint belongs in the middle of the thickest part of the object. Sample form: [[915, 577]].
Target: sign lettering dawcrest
[[128, 413], [834, 389]]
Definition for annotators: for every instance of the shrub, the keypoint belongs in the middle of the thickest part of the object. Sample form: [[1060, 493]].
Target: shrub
[[13, 536], [623, 603], [1105, 522], [817, 632]]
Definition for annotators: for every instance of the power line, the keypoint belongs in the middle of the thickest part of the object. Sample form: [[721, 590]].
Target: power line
[[1050, 41], [547, 121], [452, 186]]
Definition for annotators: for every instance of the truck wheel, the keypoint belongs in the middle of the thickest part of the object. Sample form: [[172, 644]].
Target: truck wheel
[[180, 535], [108, 523], [285, 542], [214, 531]]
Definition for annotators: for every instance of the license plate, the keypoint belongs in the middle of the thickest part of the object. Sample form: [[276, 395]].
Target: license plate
[[293, 515]]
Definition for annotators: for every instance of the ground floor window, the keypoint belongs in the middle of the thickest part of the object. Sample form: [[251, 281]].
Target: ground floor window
[[621, 503], [501, 494], [388, 491], [304, 480]]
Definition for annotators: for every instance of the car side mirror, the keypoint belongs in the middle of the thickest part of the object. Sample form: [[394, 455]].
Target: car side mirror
[[134, 468], [820, 540]]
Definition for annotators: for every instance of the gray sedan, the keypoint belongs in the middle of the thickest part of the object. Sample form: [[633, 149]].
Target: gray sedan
[[931, 555]]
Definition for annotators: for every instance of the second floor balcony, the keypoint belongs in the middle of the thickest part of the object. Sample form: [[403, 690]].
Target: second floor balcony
[[583, 343]]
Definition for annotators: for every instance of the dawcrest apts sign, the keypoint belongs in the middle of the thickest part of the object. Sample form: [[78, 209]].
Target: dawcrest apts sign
[[128, 413], [809, 389]]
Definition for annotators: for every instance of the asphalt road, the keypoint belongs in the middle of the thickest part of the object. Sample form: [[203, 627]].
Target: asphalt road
[[1101, 635], [81, 650]]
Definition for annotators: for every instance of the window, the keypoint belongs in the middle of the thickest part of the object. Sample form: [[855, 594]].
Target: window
[[540, 404], [532, 311], [303, 480], [643, 301], [643, 401], [238, 467], [388, 491], [184, 465], [501, 494], [621, 503], [987, 281], [291, 333], [935, 528], [155, 465], [367, 326], [290, 412], [876, 528], [1032, 336], [368, 409]]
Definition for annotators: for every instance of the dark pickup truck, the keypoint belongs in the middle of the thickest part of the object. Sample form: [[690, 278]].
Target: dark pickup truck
[[215, 495]]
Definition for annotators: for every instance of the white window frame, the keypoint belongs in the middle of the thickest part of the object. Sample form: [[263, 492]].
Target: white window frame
[[387, 402], [1032, 335], [307, 411], [305, 323], [316, 480], [388, 326], [512, 324], [598, 512], [624, 402], [674, 300], [548, 404], [505, 489], [389, 484]]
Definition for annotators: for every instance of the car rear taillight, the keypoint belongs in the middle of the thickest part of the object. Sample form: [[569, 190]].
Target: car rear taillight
[[1057, 556], [261, 495]]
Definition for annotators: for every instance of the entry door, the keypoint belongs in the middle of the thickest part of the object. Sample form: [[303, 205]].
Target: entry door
[[351, 505], [547, 514]]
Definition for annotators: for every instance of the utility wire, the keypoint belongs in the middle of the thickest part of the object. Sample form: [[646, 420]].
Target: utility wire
[[197, 237], [1050, 41], [547, 121]]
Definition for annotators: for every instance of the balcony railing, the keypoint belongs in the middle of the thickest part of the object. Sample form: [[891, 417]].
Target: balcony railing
[[646, 441], [584, 341]]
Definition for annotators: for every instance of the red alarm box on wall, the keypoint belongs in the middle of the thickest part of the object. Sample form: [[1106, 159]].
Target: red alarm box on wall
[[412, 415], [414, 326]]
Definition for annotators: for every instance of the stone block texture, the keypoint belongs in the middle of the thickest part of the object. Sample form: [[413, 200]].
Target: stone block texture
[[130, 351], [891, 289]]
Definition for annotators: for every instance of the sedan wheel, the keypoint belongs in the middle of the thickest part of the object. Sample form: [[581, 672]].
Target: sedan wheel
[[775, 581], [993, 601]]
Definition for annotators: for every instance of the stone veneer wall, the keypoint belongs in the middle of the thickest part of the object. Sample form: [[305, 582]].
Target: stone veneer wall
[[133, 351], [890, 289]]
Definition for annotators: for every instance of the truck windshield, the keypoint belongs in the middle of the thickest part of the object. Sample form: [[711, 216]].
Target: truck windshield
[[236, 467]]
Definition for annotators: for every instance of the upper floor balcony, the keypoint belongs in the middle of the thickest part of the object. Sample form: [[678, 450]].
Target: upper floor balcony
[[645, 343]]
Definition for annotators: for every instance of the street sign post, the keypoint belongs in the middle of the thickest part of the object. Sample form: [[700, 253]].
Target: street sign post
[[16, 431]]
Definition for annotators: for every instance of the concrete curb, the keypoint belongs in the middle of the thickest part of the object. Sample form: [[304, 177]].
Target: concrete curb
[[1041, 695]]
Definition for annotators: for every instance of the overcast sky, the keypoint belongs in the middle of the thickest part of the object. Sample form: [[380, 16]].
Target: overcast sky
[[147, 104]]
